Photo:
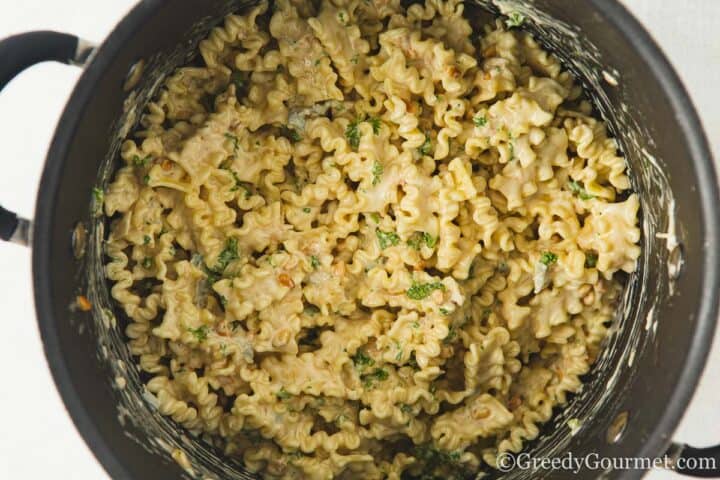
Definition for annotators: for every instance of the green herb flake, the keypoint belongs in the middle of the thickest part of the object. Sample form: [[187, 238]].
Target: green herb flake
[[98, 200], [283, 394], [235, 141], [314, 261], [515, 20], [412, 362], [355, 59], [306, 209], [548, 258], [352, 133], [578, 190], [591, 260], [419, 238], [405, 408], [375, 217], [415, 324], [362, 360], [378, 374], [444, 311], [146, 240], [450, 338], [223, 300], [228, 255], [292, 134], [238, 79], [147, 263], [146, 179], [200, 333], [480, 121], [426, 147], [377, 172], [387, 239], [141, 162], [376, 124], [420, 291]]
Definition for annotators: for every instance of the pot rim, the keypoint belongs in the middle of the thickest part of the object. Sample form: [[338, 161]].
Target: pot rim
[[612, 11]]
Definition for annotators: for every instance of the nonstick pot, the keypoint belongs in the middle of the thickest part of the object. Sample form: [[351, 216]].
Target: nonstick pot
[[637, 391]]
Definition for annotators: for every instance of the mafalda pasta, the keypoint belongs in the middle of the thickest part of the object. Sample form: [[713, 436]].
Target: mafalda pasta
[[365, 241]]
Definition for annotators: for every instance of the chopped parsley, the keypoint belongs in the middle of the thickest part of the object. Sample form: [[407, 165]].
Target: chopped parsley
[[378, 374], [98, 199], [548, 258], [146, 179], [352, 133], [415, 324], [515, 19], [200, 333], [314, 261], [238, 182], [426, 147], [591, 260], [306, 209], [452, 334], [578, 190], [387, 239], [444, 311], [228, 255], [480, 121], [377, 172], [238, 79], [362, 360], [291, 134], [420, 291], [412, 362], [147, 263], [375, 123], [355, 59], [435, 461], [234, 141], [375, 217], [283, 394], [146, 240], [511, 148], [419, 238], [405, 408], [141, 162]]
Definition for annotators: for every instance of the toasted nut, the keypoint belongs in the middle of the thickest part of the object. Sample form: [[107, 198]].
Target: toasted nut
[[514, 402], [481, 413], [285, 280], [83, 303]]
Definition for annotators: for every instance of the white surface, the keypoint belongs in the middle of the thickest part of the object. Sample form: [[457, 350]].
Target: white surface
[[38, 439]]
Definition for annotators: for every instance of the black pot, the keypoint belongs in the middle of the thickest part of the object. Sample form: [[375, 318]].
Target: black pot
[[637, 391]]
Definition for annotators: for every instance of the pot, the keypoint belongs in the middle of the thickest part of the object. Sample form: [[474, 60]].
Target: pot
[[637, 391]]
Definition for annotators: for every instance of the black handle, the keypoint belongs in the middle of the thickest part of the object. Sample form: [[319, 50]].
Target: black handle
[[26, 49], [16, 54], [696, 462]]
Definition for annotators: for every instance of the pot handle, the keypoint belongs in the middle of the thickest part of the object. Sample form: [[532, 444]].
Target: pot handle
[[19, 52], [695, 462]]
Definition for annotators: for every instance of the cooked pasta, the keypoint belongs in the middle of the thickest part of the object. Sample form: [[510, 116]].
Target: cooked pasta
[[364, 241]]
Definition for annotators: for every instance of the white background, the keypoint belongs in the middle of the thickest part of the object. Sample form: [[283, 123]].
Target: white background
[[37, 438]]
